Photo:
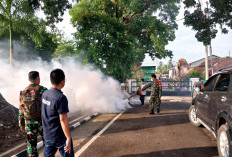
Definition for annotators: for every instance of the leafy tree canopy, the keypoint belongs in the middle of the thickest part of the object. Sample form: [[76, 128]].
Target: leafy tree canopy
[[182, 61], [64, 49], [18, 22], [205, 20], [53, 9], [115, 35]]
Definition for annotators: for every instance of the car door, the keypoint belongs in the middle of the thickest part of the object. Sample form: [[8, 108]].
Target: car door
[[204, 98], [220, 98]]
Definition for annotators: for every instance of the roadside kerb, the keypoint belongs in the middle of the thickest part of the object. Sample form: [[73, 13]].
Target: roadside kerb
[[40, 144]]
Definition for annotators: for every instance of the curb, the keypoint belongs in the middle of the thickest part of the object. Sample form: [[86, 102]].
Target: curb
[[71, 128]]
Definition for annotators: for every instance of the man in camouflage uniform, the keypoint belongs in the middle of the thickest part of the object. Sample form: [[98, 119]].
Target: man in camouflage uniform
[[31, 126], [156, 94]]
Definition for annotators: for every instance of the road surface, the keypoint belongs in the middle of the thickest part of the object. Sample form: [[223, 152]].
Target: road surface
[[135, 133]]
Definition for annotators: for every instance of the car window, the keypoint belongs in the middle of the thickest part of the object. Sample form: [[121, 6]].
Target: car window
[[210, 84], [223, 83]]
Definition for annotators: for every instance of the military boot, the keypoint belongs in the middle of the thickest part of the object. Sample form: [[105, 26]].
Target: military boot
[[151, 111]]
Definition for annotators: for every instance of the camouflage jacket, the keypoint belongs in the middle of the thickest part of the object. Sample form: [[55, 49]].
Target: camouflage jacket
[[21, 118], [156, 88]]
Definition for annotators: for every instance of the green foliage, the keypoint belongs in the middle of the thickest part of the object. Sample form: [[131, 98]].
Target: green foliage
[[18, 22], [169, 64], [164, 68], [160, 68], [115, 35], [221, 13], [202, 76], [53, 9], [22, 24], [205, 21], [65, 49], [194, 73]]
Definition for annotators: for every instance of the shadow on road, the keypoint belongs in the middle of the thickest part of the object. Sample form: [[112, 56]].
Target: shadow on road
[[133, 124], [165, 106], [185, 152]]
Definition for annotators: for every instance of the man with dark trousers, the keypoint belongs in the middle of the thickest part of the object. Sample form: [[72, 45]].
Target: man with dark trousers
[[156, 94], [54, 118], [30, 102], [143, 93]]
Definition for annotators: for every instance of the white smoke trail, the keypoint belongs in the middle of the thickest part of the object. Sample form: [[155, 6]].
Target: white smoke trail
[[87, 90]]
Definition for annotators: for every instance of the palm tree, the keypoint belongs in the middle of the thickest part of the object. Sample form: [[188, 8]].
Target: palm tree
[[17, 22]]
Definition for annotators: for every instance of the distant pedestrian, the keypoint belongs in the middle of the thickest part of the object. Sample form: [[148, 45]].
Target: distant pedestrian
[[142, 93], [30, 112], [156, 94], [202, 85], [54, 118]]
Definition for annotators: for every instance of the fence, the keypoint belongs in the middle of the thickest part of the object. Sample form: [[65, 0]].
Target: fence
[[169, 88]]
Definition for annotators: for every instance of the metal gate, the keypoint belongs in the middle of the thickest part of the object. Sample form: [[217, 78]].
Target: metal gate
[[169, 88]]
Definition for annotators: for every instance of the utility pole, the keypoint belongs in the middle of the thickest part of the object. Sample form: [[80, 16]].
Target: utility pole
[[211, 57], [206, 63], [206, 51]]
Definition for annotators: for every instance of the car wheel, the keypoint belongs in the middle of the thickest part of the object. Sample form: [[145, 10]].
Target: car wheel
[[224, 142], [193, 117]]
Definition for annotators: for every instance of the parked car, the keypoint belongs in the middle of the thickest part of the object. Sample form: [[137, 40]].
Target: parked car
[[212, 108]]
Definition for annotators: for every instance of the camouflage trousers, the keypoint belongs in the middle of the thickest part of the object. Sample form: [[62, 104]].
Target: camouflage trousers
[[33, 128], [154, 100]]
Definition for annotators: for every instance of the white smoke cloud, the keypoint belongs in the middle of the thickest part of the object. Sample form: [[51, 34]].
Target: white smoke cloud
[[87, 90]]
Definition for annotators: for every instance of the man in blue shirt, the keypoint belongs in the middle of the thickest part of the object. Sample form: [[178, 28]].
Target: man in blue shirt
[[54, 118]]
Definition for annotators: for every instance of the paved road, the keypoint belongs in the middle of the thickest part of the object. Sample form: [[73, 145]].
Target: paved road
[[137, 134]]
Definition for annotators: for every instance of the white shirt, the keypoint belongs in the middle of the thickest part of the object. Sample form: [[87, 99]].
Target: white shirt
[[141, 87]]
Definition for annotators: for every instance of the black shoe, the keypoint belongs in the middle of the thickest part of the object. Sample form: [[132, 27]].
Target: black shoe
[[151, 113]]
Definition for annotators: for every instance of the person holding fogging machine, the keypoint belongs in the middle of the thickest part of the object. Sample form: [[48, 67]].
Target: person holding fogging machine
[[156, 94], [55, 119], [142, 93], [30, 102]]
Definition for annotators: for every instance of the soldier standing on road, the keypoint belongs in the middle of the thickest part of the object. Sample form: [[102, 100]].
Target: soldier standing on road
[[30, 102], [156, 94], [143, 93]]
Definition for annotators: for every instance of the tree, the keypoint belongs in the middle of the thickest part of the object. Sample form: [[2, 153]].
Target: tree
[[160, 68], [221, 13], [194, 73], [64, 49], [165, 69], [53, 9], [18, 21], [115, 35], [200, 21], [182, 61], [205, 21], [170, 63]]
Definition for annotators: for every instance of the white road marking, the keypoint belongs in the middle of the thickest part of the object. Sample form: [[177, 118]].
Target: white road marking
[[13, 149], [97, 135]]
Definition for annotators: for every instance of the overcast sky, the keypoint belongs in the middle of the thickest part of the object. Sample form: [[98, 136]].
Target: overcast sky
[[185, 45]]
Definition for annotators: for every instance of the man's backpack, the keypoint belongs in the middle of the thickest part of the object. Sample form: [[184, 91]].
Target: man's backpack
[[31, 103]]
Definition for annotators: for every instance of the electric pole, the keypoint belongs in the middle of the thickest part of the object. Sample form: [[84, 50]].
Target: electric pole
[[206, 63], [211, 57], [206, 51]]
